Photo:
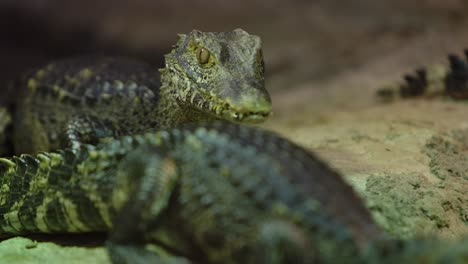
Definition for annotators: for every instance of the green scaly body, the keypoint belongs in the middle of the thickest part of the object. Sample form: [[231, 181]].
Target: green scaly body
[[194, 190], [214, 193]]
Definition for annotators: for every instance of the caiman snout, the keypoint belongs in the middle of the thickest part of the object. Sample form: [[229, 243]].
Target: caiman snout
[[251, 106]]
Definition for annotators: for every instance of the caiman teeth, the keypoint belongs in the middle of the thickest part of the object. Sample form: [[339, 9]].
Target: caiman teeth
[[238, 116], [224, 109]]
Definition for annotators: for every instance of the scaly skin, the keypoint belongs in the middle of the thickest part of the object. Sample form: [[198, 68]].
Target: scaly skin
[[214, 193], [207, 76], [451, 81]]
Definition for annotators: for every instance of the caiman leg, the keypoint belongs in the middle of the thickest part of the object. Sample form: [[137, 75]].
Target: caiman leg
[[84, 130], [149, 197]]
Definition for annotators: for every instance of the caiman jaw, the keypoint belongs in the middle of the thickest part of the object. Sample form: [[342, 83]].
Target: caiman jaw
[[248, 117], [251, 111], [252, 107]]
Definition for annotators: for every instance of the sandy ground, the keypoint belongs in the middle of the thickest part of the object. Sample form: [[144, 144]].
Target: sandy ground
[[408, 160]]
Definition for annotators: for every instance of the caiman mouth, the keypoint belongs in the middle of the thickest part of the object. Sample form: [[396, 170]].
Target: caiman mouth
[[221, 109], [246, 117], [225, 110]]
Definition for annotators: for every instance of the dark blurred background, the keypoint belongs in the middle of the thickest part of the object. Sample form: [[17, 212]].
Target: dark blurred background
[[303, 40]]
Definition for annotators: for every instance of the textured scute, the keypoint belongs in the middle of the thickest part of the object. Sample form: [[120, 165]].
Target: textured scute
[[90, 77], [82, 99]]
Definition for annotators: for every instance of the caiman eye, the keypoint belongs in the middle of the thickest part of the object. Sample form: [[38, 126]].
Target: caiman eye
[[203, 55]]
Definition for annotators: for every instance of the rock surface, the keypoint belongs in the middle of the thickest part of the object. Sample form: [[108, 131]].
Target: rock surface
[[408, 160]]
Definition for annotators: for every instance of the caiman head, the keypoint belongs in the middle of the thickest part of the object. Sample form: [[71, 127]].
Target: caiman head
[[220, 74]]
